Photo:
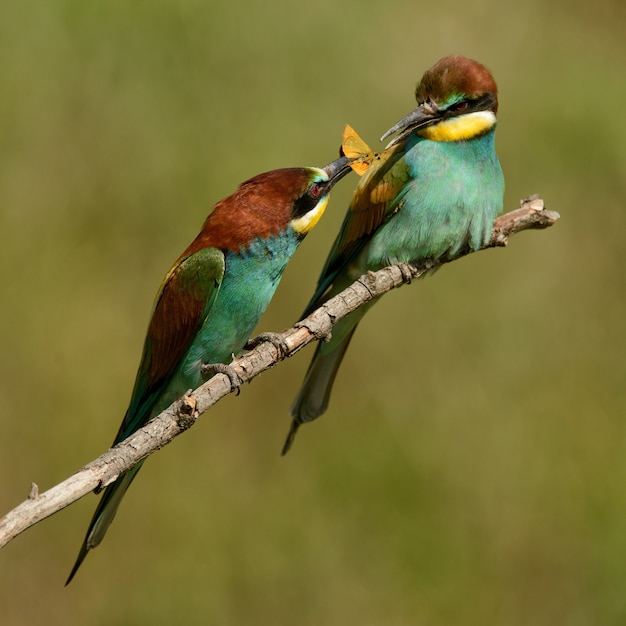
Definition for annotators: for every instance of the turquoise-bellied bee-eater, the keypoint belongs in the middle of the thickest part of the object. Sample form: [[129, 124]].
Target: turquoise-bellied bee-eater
[[213, 297], [435, 189]]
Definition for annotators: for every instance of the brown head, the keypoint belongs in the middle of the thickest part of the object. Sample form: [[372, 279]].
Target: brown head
[[455, 79], [269, 204], [457, 100]]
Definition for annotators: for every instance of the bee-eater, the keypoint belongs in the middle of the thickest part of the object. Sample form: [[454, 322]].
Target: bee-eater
[[435, 189], [213, 296]]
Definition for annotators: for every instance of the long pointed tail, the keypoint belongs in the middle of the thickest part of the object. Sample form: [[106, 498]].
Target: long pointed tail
[[312, 399], [102, 518]]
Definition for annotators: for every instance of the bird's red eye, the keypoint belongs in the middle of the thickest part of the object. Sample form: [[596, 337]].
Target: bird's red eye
[[315, 190], [459, 106]]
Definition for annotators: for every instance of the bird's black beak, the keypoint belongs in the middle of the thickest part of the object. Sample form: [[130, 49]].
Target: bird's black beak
[[425, 114], [337, 169]]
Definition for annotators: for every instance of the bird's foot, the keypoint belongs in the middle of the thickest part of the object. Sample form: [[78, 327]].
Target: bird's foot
[[276, 339], [406, 271], [210, 369]]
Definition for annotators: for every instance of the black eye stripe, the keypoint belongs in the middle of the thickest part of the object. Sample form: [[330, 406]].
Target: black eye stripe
[[307, 202], [469, 105], [304, 205]]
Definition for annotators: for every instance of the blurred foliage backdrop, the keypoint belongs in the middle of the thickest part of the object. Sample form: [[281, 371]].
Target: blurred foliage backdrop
[[472, 468]]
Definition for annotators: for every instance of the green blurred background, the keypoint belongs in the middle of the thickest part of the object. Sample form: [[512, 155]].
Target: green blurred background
[[472, 468]]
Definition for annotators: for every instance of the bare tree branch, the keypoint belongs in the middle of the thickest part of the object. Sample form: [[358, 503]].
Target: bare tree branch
[[182, 414]]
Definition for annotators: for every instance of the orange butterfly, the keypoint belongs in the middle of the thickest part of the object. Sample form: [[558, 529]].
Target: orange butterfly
[[355, 148]]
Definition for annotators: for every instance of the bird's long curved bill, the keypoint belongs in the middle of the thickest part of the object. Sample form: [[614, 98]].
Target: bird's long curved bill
[[337, 169], [418, 118]]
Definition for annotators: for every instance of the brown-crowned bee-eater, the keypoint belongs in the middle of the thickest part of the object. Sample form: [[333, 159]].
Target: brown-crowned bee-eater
[[213, 297], [435, 189]]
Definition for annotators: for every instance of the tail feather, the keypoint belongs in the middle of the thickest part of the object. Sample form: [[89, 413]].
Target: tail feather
[[314, 395], [103, 516]]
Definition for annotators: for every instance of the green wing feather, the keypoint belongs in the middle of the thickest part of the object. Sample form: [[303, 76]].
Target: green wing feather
[[375, 199], [181, 307]]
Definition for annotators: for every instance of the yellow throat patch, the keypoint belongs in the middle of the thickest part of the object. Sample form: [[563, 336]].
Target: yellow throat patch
[[303, 224], [460, 128]]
